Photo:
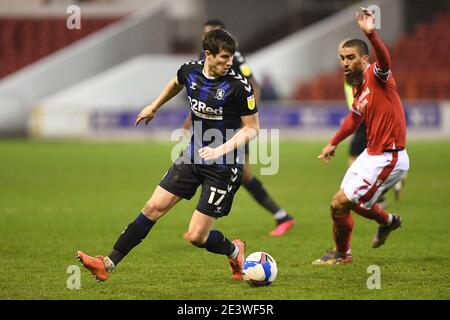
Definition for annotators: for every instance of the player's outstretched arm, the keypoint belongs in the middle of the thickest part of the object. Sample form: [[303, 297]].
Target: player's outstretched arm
[[327, 152], [249, 131], [170, 90], [366, 22], [348, 126]]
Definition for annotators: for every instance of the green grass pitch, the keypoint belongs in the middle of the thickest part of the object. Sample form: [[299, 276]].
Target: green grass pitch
[[57, 197]]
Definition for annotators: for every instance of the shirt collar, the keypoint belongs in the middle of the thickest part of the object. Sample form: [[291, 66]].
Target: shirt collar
[[206, 76]]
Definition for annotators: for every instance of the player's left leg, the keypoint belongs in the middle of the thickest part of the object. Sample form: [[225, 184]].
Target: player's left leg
[[253, 185], [220, 184], [201, 234], [342, 231], [387, 222], [199, 229], [379, 175]]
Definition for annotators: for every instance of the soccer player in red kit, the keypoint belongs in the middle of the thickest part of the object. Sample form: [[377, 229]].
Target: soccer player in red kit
[[385, 161]]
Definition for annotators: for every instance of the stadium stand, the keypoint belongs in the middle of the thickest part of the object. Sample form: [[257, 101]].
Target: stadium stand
[[26, 40], [420, 65]]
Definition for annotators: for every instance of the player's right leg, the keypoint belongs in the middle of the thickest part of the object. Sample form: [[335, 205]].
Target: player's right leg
[[159, 203], [179, 182], [342, 232]]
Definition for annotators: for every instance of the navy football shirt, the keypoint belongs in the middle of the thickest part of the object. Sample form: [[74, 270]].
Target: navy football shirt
[[216, 105]]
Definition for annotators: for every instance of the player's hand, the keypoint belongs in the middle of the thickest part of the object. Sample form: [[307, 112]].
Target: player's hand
[[208, 153], [366, 20], [327, 152], [147, 114]]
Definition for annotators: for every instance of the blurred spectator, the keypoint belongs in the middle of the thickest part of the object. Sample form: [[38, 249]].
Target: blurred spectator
[[268, 91]]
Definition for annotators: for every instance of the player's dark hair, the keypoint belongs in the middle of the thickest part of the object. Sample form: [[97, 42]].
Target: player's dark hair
[[219, 39], [215, 23], [359, 44]]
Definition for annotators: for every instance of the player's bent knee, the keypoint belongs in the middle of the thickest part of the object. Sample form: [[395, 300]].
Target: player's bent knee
[[152, 211], [340, 204], [195, 238]]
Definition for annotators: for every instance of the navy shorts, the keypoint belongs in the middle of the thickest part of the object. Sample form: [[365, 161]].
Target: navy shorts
[[219, 185]]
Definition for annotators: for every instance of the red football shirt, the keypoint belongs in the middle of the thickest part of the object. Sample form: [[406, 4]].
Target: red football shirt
[[378, 102]]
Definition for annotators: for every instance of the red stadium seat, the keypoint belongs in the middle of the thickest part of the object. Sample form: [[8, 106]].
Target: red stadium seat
[[25, 40]]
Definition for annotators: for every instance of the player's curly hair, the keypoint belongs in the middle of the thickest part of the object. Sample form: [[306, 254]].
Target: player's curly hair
[[219, 39]]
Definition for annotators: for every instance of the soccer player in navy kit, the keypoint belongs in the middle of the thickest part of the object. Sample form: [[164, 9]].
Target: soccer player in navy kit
[[221, 101], [284, 221]]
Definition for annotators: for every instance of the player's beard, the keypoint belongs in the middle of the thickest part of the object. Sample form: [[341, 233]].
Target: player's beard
[[354, 78]]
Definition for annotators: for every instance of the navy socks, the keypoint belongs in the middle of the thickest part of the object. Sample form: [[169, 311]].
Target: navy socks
[[218, 243], [131, 237]]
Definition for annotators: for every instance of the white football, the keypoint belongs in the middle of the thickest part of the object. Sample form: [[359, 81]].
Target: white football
[[260, 269]]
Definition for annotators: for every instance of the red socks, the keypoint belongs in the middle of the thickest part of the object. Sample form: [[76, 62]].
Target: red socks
[[342, 231], [343, 224], [375, 213]]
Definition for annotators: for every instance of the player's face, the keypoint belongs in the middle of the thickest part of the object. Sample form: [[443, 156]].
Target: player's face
[[220, 63], [353, 64]]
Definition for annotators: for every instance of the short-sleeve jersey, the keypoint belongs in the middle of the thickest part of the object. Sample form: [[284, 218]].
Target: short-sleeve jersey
[[378, 102], [217, 104]]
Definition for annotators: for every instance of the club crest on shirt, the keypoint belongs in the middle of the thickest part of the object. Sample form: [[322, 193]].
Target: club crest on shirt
[[220, 93]]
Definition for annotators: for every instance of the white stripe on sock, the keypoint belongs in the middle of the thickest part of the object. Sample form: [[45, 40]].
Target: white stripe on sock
[[389, 221], [280, 214], [235, 252], [109, 265]]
